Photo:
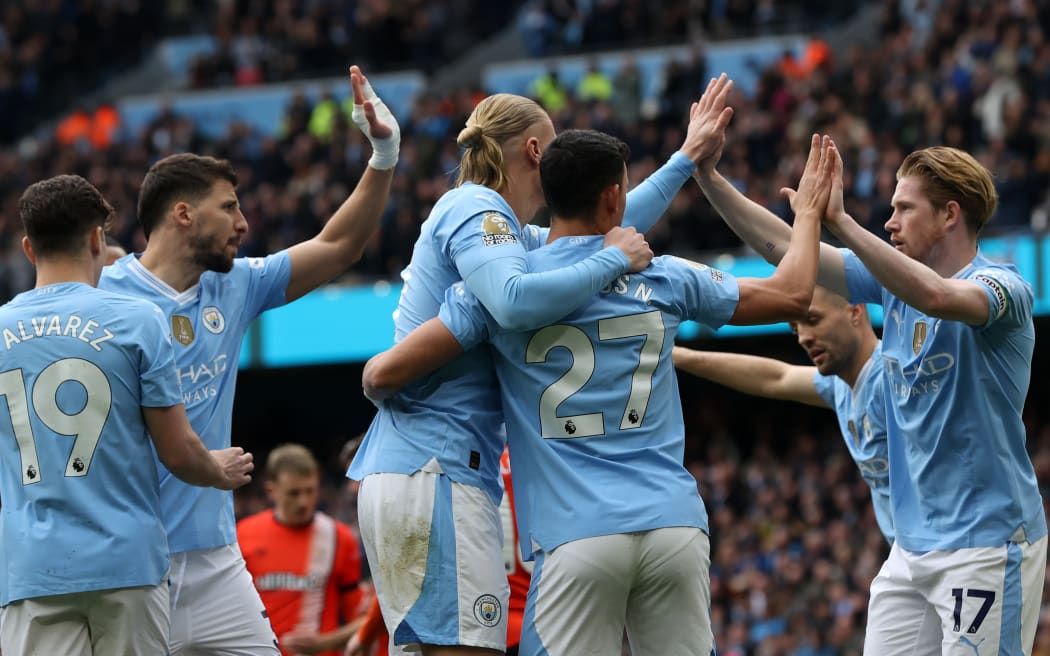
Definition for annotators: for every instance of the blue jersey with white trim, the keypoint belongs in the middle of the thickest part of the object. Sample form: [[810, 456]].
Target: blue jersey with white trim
[[80, 503], [594, 420], [453, 416], [208, 322], [861, 412], [960, 475]]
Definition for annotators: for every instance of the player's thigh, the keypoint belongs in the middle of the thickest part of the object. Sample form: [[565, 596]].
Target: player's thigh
[[988, 598], [130, 621], [577, 601], [215, 608], [669, 608], [900, 620], [45, 626], [434, 547]]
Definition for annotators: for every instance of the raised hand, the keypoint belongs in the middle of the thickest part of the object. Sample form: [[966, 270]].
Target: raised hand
[[708, 118], [375, 120], [633, 244], [814, 189], [836, 211]]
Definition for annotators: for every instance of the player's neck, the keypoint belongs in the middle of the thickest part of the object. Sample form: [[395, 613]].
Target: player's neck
[[522, 201], [283, 521], [951, 255], [171, 265], [565, 227], [63, 271], [867, 347]]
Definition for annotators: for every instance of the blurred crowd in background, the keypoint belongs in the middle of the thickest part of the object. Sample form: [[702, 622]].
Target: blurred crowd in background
[[973, 75], [794, 541]]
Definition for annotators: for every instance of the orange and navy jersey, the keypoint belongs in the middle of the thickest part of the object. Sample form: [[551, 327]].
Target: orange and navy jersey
[[307, 576], [519, 573]]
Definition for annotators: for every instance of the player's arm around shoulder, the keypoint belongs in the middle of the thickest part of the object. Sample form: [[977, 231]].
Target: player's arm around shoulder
[[422, 351], [461, 324], [342, 240]]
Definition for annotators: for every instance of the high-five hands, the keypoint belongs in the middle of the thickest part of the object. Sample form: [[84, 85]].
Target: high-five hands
[[708, 118], [814, 189], [375, 120]]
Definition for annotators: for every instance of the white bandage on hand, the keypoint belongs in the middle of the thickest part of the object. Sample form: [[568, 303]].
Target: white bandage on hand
[[384, 151]]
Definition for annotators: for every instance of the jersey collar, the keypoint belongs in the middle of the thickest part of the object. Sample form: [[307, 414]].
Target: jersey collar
[[146, 276]]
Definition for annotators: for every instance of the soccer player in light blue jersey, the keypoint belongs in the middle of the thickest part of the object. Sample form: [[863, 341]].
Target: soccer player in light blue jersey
[[847, 377], [437, 448], [965, 573], [87, 385], [604, 503], [189, 212]]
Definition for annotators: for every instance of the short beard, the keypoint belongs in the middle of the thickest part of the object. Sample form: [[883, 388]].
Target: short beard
[[209, 260]]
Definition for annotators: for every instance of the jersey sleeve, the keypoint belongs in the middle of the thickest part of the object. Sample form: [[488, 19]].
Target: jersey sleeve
[[647, 202], [465, 317], [490, 259], [825, 388], [706, 295], [862, 285], [267, 282], [1010, 298], [158, 375]]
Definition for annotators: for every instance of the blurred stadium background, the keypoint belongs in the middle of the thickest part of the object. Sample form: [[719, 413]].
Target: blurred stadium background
[[105, 87]]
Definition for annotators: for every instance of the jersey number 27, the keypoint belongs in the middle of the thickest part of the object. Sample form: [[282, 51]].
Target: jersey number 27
[[649, 325]]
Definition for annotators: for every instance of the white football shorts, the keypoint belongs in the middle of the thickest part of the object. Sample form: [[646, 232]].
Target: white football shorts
[[435, 550], [965, 602]]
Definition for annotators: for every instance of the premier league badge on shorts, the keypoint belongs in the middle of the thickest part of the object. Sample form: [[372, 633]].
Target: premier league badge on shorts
[[487, 610]]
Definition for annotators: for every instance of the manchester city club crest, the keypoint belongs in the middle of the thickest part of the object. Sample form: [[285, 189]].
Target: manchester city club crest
[[213, 320], [487, 610], [182, 329]]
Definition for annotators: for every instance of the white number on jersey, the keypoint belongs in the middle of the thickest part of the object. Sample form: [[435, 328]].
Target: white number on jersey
[[84, 426], [649, 325]]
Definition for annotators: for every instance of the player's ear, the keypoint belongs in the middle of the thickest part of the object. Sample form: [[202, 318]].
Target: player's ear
[[533, 152], [181, 211], [97, 240], [27, 248], [610, 199], [953, 217]]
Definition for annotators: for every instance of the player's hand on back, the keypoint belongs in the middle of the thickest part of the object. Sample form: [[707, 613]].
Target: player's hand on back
[[633, 245], [236, 465], [708, 118], [374, 119]]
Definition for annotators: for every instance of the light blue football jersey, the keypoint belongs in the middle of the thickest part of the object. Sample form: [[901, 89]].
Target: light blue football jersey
[[80, 503], [960, 475], [594, 420], [861, 411], [453, 416], [208, 322]]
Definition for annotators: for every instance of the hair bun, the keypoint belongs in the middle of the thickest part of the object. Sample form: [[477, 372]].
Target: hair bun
[[470, 136]]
